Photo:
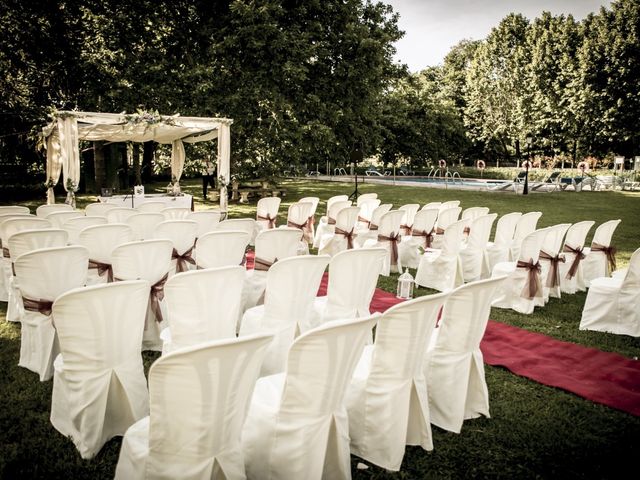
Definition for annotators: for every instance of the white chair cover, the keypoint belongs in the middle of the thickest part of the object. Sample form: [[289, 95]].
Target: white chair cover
[[298, 217], [366, 211], [310, 229], [473, 255], [182, 234], [44, 210], [353, 276], [120, 214], [388, 237], [550, 258], [58, 219], [98, 209], [206, 220], [199, 397], [332, 200], [8, 209], [410, 210], [613, 304], [571, 276], [600, 257], [449, 204], [42, 275], [430, 205], [500, 249], [99, 388], [23, 242], [202, 306], [343, 235], [74, 226], [327, 223], [470, 214], [421, 237], [4, 285], [292, 285], [151, 207], [365, 197], [144, 224], [175, 213], [271, 246], [454, 367], [441, 269], [221, 248], [524, 282], [527, 224], [148, 260], [370, 232], [100, 240], [267, 212], [387, 400], [239, 224], [297, 426], [446, 216]]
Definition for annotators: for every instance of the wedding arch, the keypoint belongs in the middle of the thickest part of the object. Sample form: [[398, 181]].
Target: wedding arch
[[67, 128]]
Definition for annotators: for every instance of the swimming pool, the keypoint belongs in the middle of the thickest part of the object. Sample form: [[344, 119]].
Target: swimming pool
[[457, 183]]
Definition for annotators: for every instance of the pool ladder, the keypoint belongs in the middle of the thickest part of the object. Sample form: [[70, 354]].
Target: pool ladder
[[454, 177], [339, 171]]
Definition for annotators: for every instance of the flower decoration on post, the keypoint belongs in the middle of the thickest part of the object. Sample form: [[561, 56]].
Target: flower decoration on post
[[72, 188]]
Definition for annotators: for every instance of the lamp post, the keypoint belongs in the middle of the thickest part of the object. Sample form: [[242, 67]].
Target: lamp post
[[525, 190]]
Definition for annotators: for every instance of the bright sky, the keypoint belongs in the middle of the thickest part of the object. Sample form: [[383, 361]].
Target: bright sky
[[432, 27]]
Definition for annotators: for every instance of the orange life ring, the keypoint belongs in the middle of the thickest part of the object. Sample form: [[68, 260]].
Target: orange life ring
[[480, 165], [442, 163]]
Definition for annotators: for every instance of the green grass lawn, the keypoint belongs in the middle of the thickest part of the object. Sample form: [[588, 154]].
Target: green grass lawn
[[535, 431]]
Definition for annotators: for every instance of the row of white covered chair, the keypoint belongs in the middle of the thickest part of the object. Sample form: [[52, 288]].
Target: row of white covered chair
[[314, 391]]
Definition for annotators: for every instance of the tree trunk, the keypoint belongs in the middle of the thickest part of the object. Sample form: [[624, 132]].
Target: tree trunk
[[99, 166], [136, 163], [147, 160]]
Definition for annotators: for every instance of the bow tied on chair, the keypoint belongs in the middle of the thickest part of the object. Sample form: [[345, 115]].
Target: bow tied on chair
[[532, 286], [428, 236], [156, 296], [439, 231], [307, 229], [263, 265], [364, 220], [610, 252], [331, 221], [299, 226], [102, 269], [466, 230], [270, 219], [182, 260], [348, 235], [373, 226], [553, 279], [41, 306], [394, 238], [5, 252], [406, 228], [579, 256]]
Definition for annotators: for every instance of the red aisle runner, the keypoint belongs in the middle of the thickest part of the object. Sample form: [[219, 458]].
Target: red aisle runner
[[601, 377]]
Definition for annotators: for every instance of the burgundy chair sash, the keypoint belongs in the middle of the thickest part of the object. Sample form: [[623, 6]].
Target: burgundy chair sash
[[466, 230], [307, 229], [394, 238], [428, 236], [296, 225], [373, 226], [406, 228], [102, 269], [532, 285], [573, 269], [439, 231], [41, 306], [364, 220], [182, 260], [348, 235], [331, 221], [263, 265], [553, 279], [156, 296], [610, 252], [5, 252], [270, 219]]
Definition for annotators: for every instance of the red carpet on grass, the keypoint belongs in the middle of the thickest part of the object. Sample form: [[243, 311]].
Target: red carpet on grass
[[602, 377]]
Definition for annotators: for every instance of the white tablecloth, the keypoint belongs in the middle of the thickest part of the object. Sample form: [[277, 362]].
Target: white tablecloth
[[183, 201]]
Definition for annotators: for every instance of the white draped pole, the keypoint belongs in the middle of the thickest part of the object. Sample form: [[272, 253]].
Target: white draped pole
[[177, 160], [224, 163], [68, 131], [54, 164]]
